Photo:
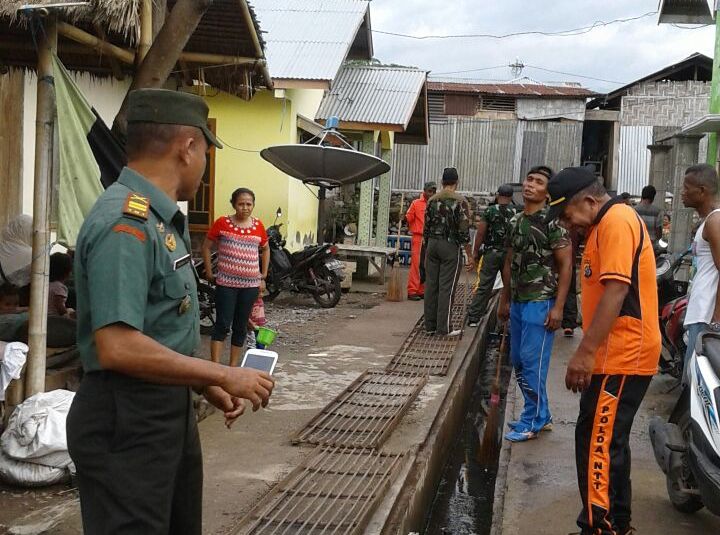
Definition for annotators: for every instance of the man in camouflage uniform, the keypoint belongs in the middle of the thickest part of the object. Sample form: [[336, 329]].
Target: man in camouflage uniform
[[447, 230], [492, 232], [536, 278]]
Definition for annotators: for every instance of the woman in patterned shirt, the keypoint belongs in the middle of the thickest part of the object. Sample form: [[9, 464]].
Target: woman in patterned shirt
[[240, 276]]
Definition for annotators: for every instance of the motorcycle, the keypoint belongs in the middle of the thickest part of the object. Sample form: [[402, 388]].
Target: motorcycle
[[672, 301], [206, 295], [687, 446], [672, 332], [314, 270]]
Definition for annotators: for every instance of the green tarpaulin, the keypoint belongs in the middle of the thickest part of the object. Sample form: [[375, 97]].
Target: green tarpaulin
[[80, 184]]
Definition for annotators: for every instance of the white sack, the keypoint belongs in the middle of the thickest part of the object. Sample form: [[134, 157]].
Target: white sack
[[36, 430], [16, 250], [13, 357], [24, 474]]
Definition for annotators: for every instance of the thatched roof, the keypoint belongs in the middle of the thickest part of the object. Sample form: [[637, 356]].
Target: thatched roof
[[120, 17], [222, 31]]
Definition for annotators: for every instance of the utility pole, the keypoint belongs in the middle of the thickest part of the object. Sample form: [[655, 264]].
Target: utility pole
[[516, 68]]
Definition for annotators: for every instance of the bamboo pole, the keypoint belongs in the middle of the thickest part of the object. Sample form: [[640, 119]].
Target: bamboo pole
[[256, 42], [146, 29], [128, 56], [216, 59], [44, 132], [87, 39]]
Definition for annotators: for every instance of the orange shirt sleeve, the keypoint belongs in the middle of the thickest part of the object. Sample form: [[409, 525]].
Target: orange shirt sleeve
[[618, 241], [411, 215]]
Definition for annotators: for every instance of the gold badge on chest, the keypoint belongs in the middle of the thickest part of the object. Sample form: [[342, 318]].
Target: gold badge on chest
[[170, 242], [184, 305]]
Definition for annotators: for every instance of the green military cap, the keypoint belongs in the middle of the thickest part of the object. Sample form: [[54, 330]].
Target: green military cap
[[163, 106], [430, 185]]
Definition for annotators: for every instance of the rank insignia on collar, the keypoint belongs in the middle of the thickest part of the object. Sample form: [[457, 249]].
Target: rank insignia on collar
[[161, 227], [170, 242], [137, 206]]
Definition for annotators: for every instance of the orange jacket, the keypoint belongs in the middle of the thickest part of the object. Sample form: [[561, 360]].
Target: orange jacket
[[415, 215]]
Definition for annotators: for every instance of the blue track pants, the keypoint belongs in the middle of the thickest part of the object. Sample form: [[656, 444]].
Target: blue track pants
[[530, 349]]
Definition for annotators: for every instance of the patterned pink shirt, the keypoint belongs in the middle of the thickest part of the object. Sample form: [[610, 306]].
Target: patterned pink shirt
[[238, 252]]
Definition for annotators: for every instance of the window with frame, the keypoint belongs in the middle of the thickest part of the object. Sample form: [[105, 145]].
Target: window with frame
[[200, 209]]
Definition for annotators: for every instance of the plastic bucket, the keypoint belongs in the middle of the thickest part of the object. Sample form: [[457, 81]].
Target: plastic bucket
[[265, 336]]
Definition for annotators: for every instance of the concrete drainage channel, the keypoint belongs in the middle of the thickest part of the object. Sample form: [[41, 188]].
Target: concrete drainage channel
[[466, 497], [383, 446]]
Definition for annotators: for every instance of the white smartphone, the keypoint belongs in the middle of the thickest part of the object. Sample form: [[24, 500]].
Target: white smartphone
[[260, 359]]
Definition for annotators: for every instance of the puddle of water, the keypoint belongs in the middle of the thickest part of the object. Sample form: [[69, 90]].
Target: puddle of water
[[464, 500]]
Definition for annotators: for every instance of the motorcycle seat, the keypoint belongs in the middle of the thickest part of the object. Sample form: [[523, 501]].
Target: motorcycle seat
[[711, 350], [302, 255]]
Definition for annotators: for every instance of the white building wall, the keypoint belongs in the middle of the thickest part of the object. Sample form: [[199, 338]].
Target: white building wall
[[103, 94]]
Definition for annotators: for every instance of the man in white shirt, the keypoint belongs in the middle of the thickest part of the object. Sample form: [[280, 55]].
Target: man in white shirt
[[700, 191]]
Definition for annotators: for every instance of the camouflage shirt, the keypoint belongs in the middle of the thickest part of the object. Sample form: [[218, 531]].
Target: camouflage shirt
[[534, 274], [446, 218], [498, 219]]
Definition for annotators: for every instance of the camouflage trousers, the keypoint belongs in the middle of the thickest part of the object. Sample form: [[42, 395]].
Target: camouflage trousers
[[491, 264]]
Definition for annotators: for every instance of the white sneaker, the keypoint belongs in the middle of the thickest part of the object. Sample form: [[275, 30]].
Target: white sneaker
[[456, 332]]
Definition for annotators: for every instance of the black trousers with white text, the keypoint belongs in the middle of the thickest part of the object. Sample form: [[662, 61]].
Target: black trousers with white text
[[602, 451]]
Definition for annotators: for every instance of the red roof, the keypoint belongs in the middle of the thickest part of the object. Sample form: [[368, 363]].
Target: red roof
[[513, 90]]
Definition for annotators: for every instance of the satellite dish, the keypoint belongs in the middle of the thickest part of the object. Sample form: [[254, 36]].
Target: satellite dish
[[327, 160]]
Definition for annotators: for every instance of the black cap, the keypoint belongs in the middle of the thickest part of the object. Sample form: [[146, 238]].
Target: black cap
[[506, 190], [163, 106], [563, 187], [450, 175], [430, 185]]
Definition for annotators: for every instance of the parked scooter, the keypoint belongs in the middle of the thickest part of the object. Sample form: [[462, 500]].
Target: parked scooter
[[314, 270], [206, 295], [672, 301], [687, 447]]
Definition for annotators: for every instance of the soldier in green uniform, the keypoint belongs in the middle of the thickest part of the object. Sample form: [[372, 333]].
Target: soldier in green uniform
[[492, 234], [446, 232], [131, 429], [536, 278]]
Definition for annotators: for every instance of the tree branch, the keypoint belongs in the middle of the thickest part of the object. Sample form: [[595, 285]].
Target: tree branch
[[164, 52]]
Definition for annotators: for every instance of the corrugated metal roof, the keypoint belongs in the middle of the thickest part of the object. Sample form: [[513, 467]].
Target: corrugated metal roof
[[308, 39], [373, 94], [513, 89]]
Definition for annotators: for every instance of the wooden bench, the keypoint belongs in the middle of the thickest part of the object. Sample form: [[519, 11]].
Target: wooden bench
[[372, 253]]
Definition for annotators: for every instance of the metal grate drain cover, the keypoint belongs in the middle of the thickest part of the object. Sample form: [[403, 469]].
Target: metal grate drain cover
[[425, 354], [334, 491], [365, 413]]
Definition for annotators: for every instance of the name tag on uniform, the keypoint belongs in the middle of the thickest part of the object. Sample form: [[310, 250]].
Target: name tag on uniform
[[180, 262]]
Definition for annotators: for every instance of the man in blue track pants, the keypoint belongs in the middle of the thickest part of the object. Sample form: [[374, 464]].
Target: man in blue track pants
[[536, 279]]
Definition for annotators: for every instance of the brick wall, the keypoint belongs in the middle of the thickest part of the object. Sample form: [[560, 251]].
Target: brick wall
[[665, 103]]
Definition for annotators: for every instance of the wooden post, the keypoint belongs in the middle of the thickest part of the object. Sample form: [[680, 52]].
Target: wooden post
[[146, 29], [44, 128]]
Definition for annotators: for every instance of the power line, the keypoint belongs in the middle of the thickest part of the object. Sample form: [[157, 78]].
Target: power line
[[470, 70], [228, 145], [575, 75], [562, 33], [437, 74]]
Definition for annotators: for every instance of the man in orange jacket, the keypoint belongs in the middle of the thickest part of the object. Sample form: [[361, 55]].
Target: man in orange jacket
[[415, 218]]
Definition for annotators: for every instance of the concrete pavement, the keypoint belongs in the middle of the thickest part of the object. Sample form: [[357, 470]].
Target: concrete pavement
[[540, 489]]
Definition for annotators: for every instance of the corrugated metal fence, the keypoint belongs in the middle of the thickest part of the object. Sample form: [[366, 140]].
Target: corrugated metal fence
[[486, 153], [634, 158]]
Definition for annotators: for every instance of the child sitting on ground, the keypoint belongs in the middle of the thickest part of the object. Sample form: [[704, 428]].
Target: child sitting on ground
[[10, 300], [60, 270]]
